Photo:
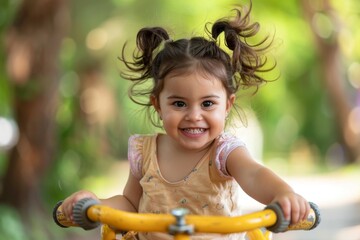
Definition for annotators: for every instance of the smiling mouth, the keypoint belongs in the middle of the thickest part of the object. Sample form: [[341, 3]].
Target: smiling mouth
[[194, 130]]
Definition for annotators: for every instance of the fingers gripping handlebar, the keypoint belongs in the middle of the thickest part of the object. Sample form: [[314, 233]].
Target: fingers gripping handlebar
[[312, 221]]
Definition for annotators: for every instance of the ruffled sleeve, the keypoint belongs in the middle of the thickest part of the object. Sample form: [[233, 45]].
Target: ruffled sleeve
[[226, 144], [135, 156]]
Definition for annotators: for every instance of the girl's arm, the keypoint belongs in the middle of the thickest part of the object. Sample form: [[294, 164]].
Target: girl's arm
[[129, 201], [265, 186]]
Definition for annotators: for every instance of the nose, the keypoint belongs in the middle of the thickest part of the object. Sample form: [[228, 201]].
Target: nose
[[194, 114]]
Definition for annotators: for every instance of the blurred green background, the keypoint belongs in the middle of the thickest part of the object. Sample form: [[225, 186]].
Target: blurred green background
[[65, 117]]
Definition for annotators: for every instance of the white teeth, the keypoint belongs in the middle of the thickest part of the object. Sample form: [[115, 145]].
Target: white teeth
[[194, 130]]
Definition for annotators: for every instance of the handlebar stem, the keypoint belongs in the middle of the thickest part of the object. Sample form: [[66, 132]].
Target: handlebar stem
[[180, 226]]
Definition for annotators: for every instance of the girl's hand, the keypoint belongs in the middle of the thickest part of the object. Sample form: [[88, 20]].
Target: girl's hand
[[69, 202], [294, 206]]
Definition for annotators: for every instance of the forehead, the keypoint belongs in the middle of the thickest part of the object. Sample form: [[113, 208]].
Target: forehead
[[208, 68], [192, 81]]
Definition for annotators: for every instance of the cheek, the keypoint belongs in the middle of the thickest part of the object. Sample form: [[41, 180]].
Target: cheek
[[170, 118], [170, 123], [218, 118]]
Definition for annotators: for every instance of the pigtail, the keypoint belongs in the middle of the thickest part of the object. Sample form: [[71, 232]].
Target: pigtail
[[248, 60], [148, 40]]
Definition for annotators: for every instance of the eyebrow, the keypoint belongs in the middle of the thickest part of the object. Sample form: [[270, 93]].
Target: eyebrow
[[179, 97]]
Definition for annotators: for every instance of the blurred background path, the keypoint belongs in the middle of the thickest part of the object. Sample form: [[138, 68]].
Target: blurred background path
[[338, 198]]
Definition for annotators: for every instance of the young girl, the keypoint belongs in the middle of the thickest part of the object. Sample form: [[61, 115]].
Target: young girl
[[195, 164]]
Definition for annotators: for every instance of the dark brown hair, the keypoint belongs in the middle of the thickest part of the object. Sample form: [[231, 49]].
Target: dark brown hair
[[157, 56]]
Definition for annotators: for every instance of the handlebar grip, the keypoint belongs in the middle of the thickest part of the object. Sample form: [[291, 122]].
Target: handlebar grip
[[59, 217], [79, 214], [312, 221]]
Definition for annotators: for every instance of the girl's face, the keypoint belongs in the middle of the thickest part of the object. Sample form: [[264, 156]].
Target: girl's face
[[193, 108]]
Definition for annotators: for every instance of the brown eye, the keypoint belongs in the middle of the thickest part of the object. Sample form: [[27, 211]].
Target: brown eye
[[179, 104], [207, 104]]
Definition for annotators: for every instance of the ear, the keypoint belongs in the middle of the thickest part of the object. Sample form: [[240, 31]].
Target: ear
[[155, 103], [230, 102]]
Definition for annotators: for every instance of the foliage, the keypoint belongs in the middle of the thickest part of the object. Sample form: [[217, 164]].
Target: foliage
[[293, 109], [10, 224]]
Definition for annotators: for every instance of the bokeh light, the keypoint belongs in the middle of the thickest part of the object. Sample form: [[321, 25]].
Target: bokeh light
[[9, 133]]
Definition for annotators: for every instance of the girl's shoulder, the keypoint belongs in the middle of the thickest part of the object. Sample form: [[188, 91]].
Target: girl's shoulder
[[226, 143], [136, 141], [226, 140], [135, 152]]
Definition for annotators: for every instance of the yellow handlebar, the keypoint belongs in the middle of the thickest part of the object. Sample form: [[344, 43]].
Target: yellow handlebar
[[88, 214]]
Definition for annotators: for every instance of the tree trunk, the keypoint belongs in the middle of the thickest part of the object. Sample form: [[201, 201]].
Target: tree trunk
[[334, 82], [33, 43]]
